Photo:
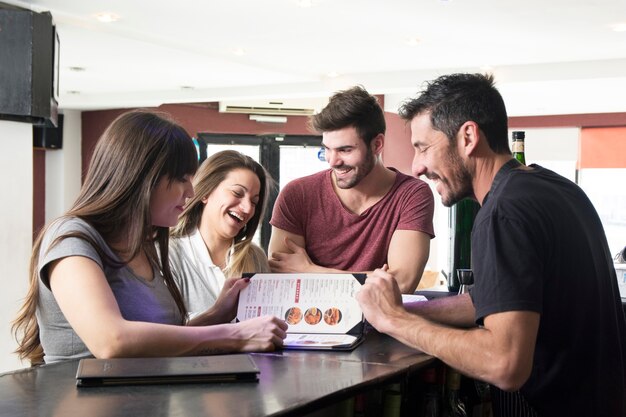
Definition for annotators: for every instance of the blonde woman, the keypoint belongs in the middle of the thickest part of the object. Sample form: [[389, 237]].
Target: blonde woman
[[98, 286], [213, 239]]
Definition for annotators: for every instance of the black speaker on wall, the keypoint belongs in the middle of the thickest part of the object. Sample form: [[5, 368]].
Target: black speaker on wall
[[48, 136], [29, 60]]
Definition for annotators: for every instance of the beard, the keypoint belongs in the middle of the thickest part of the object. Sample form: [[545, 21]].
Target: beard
[[360, 171], [460, 183]]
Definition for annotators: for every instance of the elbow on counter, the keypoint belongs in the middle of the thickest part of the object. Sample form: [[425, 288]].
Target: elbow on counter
[[112, 345]]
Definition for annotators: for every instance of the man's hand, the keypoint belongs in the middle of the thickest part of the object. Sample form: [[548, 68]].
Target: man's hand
[[296, 260], [380, 299]]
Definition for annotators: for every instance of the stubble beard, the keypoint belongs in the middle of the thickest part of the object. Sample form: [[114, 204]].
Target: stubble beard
[[461, 179], [362, 170]]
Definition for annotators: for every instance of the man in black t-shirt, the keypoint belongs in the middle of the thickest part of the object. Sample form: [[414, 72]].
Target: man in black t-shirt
[[544, 323]]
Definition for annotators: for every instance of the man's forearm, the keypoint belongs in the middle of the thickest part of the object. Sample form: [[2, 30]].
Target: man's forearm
[[457, 311]]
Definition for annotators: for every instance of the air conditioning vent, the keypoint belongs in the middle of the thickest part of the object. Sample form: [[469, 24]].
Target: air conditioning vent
[[275, 107], [269, 110]]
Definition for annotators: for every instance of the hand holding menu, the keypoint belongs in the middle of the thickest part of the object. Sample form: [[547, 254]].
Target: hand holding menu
[[320, 309]]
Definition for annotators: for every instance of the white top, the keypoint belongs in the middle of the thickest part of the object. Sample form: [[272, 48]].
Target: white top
[[199, 279]]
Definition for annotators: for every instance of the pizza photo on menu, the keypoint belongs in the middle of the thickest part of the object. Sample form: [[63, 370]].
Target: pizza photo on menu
[[320, 309]]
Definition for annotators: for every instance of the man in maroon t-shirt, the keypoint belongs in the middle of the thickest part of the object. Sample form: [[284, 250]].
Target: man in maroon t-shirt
[[358, 215]]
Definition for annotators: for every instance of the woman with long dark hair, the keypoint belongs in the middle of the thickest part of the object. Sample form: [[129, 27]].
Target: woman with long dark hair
[[100, 281]]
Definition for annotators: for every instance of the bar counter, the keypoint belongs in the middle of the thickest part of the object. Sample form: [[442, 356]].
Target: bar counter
[[291, 383]]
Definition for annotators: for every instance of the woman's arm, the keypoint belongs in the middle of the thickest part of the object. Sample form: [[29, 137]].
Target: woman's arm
[[85, 298]]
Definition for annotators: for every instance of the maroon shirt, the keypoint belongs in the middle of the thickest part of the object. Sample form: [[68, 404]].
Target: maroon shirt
[[337, 238]]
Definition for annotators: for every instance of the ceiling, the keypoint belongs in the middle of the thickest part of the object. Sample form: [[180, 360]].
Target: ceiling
[[548, 57]]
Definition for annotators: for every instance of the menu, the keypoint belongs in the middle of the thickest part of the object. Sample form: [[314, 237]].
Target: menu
[[320, 309]]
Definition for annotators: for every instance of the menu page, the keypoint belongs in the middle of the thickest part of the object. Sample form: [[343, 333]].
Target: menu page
[[314, 340], [317, 307]]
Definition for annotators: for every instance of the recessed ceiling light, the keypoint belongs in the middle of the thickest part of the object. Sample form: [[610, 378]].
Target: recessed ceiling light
[[305, 3], [73, 92], [413, 41], [239, 51], [332, 74], [107, 17], [619, 27], [77, 69], [186, 87]]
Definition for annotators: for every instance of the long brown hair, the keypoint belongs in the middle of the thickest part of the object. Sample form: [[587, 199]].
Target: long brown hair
[[210, 174], [132, 155]]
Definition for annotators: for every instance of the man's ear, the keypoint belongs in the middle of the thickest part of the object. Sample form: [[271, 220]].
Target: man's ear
[[377, 144], [469, 138]]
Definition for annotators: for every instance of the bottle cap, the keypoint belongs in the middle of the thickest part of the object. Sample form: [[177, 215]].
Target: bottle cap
[[519, 135]]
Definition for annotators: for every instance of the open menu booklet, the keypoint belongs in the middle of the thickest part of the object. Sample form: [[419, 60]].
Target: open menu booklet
[[320, 309]]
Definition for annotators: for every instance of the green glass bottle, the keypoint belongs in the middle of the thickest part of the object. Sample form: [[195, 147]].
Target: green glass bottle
[[518, 146], [461, 221], [453, 406]]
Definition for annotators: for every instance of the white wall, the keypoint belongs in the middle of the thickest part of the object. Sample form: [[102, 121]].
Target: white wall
[[553, 148], [16, 223], [605, 188], [63, 178], [63, 168]]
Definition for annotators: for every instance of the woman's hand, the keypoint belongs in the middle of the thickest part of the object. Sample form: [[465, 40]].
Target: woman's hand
[[225, 308], [226, 303], [264, 333]]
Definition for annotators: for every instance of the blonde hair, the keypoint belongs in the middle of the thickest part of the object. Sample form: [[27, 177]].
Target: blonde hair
[[132, 155], [247, 257]]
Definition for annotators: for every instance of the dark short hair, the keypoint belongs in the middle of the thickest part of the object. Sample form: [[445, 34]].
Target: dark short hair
[[353, 107], [455, 99]]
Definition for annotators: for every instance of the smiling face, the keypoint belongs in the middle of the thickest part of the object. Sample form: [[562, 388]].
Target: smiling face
[[231, 204], [349, 157], [439, 160], [168, 200]]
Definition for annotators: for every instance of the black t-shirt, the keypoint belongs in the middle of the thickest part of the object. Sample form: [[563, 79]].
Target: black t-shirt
[[538, 245]]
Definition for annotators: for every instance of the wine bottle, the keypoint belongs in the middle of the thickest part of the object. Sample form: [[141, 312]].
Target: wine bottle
[[431, 400], [453, 406], [392, 401], [461, 221], [518, 146]]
